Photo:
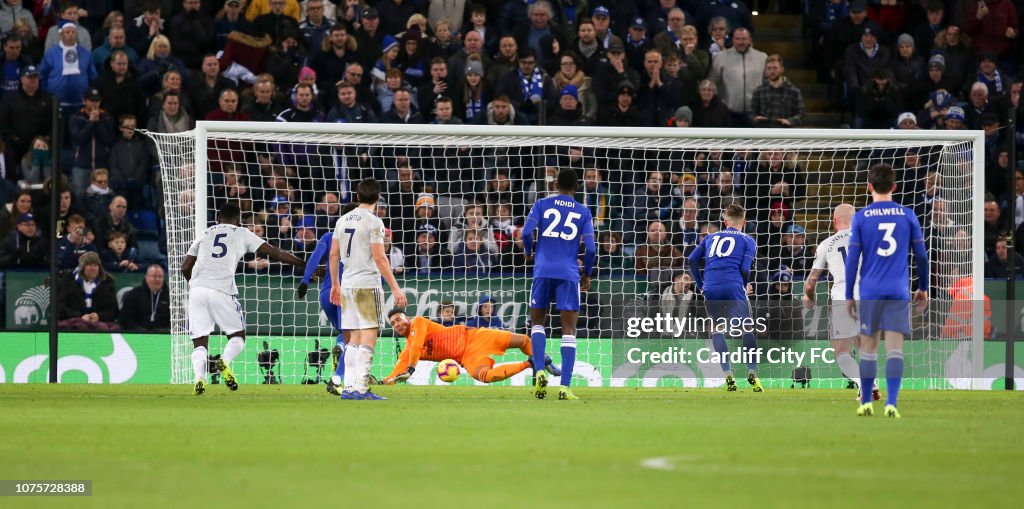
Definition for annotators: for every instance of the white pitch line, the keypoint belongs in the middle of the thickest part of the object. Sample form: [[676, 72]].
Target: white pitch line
[[662, 463]]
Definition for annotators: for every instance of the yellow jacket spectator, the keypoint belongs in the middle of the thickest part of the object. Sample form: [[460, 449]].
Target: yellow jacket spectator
[[260, 7]]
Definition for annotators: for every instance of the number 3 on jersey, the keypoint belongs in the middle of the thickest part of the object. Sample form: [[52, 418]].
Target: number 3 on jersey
[[722, 246], [890, 242], [570, 223]]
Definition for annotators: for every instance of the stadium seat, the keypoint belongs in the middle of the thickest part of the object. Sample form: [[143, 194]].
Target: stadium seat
[[149, 251], [145, 220]]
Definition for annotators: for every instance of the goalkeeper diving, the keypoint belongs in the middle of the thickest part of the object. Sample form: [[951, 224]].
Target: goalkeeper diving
[[470, 347]]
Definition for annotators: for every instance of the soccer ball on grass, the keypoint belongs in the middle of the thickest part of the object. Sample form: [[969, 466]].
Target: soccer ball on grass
[[448, 370]]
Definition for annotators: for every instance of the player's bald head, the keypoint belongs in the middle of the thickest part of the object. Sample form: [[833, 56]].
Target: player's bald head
[[844, 215]]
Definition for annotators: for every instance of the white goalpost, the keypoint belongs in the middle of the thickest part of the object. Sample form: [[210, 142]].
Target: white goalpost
[[455, 198]]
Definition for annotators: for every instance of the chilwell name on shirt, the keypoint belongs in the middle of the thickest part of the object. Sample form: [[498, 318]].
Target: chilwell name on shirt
[[892, 211]]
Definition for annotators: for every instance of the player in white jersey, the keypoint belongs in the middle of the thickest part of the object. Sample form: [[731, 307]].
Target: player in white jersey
[[359, 244], [843, 330], [209, 269]]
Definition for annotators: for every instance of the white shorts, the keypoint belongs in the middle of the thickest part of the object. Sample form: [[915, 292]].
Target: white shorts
[[208, 307], [362, 308], [840, 324]]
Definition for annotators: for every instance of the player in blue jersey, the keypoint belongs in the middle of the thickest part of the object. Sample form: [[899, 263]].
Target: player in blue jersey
[[728, 256], [333, 312], [563, 223], [882, 236]]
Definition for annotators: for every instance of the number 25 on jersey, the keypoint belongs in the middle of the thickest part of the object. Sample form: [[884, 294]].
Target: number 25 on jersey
[[571, 220]]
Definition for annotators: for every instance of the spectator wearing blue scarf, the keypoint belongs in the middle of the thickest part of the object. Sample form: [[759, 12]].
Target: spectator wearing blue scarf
[[527, 87]]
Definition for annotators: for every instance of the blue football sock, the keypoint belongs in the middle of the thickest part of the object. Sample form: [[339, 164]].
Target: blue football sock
[[340, 372], [868, 370], [893, 376], [538, 338], [749, 347], [568, 358], [718, 341]]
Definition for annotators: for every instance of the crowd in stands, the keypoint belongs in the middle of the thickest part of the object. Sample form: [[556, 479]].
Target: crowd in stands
[[117, 66]]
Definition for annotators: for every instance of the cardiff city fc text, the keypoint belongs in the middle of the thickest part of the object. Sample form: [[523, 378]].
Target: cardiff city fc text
[[777, 355]]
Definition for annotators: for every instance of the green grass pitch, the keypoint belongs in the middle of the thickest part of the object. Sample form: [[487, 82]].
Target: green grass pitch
[[496, 447]]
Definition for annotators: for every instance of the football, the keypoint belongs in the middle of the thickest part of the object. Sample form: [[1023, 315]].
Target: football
[[448, 370]]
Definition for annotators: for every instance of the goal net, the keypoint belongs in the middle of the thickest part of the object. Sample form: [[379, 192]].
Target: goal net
[[456, 198]]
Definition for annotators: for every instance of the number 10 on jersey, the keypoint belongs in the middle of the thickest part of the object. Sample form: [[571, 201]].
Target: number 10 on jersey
[[722, 246]]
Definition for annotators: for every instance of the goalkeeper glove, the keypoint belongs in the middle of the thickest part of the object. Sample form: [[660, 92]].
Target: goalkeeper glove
[[301, 290], [400, 378]]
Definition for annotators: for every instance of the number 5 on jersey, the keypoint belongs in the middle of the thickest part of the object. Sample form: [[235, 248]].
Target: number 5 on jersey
[[218, 244]]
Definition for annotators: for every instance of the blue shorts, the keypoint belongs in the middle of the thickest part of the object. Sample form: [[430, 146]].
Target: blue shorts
[[884, 315], [729, 302], [564, 293], [333, 312]]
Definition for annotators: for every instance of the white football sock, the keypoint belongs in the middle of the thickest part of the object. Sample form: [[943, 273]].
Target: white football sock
[[350, 358], [233, 348], [849, 366], [365, 362], [199, 362]]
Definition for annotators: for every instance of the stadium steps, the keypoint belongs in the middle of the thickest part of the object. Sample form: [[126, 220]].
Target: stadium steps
[[792, 51], [827, 180], [767, 22], [801, 76], [821, 120], [828, 183], [825, 195], [783, 34], [770, 33], [819, 200], [820, 168], [816, 104]]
